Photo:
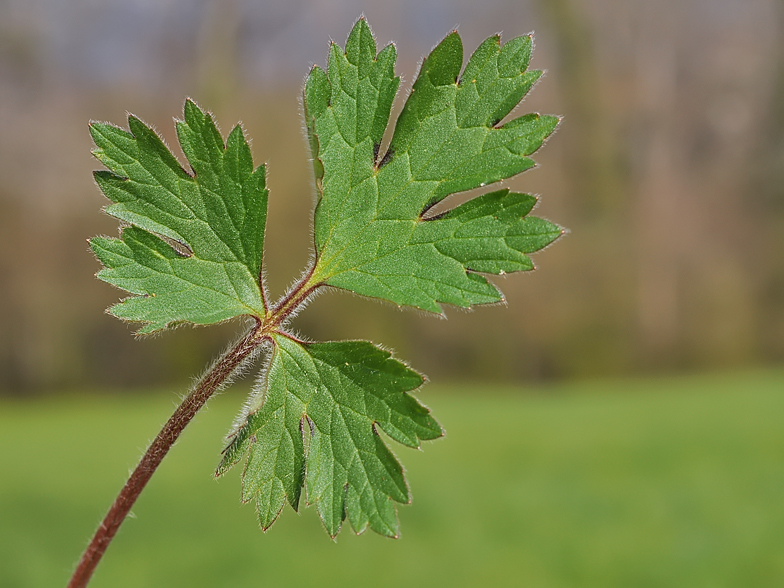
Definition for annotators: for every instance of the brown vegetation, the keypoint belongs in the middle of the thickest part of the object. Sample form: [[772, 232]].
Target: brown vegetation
[[668, 169]]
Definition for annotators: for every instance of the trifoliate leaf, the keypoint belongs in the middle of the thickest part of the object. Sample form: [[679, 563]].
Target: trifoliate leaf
[[315, 424], [193, 250], [371, 230]]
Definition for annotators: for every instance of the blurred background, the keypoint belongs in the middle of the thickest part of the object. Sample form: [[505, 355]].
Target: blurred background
[[668, 170]]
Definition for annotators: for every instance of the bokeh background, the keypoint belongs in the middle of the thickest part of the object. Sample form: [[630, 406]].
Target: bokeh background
[[663, 308]]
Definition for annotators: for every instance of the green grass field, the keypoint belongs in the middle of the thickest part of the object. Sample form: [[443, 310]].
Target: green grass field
[[672, 482]]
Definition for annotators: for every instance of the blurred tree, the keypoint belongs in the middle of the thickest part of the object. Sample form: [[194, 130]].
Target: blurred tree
[[767, 164], [592, 150], [218, 53], [597, 189]]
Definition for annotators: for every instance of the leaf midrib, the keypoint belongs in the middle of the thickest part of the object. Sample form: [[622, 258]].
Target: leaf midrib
[[341, 408]]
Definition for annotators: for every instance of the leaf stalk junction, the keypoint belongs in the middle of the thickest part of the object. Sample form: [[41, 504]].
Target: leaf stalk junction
[[212, 381]]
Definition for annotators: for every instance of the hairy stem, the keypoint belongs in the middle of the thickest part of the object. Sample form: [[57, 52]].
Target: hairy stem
[[224, 367], [293, 299], [201, 392]]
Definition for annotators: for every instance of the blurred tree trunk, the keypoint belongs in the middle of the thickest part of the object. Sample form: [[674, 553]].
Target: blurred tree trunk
[[660, 185], [767, 163], [218, 53], [598, 337], [592, 152]]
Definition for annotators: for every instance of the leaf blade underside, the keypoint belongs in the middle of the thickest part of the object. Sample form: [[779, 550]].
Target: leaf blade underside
[[193, 250], [333, 395], [371, 233]]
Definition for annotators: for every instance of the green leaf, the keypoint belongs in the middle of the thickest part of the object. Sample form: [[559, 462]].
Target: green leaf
[[372, 234], [194, 246], [315, 423]]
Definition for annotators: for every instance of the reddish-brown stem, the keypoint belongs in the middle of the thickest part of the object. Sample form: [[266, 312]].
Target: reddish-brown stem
[[199, 395], [201, 392], [293, 300]]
